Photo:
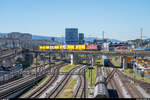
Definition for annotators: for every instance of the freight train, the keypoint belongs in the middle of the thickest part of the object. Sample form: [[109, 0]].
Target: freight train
[[100, 90], [71, 47]]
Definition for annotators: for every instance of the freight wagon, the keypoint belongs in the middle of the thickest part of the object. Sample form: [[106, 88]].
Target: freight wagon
[[100, 90]]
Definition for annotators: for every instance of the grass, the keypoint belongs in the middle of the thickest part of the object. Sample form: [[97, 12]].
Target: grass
[[99, 62], [39, 83], [67, 68], [83, 61], [58, 57], [93, 76], [59, 62], [131, 73], [69, 90], [87, 92]]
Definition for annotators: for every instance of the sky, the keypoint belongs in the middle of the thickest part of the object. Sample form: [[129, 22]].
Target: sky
[[119, 19]]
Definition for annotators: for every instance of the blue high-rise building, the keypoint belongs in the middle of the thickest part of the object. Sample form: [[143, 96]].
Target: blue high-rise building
[[71, 36], [81, 38]]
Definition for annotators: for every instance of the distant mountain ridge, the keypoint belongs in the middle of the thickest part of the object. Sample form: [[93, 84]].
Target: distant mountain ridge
[[60, 39]]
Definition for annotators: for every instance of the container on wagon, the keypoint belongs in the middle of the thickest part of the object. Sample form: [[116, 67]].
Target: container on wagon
[[129, 58], [119, 58], [131, 50], [147, 70], [147, 62], [139, 60]]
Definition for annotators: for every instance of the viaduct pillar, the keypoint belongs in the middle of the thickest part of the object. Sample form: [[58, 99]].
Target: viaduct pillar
[[121, 61], [74, 59], [124, 62], [93, 60]]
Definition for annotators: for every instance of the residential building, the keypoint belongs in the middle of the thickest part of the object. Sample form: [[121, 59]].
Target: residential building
[[21, 36]]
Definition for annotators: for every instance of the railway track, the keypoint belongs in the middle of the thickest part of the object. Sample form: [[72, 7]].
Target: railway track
[[134, 93], [10, 84], [113, 85], [80, 91], [14, 83], [18, 85], [144, 85], [7, 92], [98, 71], [40, 90], [61, 85]]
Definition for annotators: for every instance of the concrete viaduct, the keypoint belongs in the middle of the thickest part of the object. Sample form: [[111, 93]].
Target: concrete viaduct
[[90, 56]]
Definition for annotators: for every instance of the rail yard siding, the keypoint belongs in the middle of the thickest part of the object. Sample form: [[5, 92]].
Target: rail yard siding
[[142, 91], [67, 68], [68, 92], [123, 89]]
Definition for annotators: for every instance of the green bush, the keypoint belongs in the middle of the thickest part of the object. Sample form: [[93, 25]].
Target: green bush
[[130, 70]]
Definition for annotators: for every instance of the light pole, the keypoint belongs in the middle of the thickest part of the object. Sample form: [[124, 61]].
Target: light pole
[[49, 62], [36, 54], [90, 70], [141, 37], [133, 67], [84, 83]]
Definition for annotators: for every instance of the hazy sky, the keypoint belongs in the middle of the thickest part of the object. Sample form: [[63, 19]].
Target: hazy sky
[[120, 19]]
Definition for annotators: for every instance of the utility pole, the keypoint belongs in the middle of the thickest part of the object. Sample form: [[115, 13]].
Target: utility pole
[[36, 55], [49, 61], [141, 37], [103, 39], [103, 36], [84, 83], [36, 64]]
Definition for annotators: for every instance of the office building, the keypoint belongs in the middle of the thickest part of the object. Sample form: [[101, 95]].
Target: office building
[[81, 38], [71, 36]]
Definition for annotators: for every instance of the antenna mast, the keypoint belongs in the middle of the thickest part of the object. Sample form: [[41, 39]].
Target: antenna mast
[[141, 37]]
